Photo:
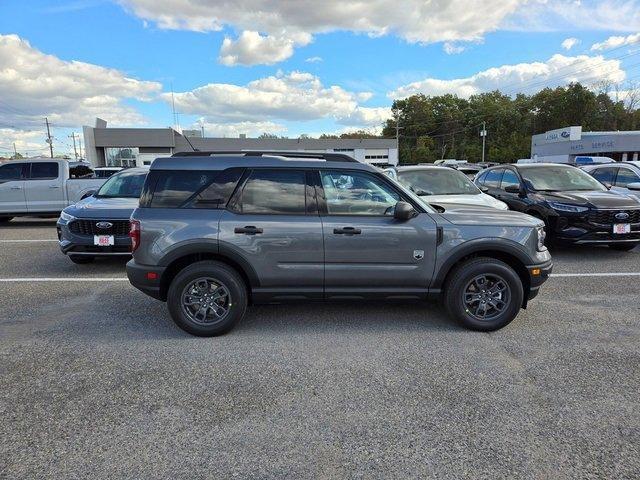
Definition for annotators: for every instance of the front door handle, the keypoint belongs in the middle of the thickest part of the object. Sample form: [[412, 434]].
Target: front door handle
[[248, 230], [54, 186], [16, 188], [347, 231]]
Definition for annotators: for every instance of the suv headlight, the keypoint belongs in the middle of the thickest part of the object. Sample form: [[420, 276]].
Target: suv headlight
[[542, 235], [66, 217], [564, 207]]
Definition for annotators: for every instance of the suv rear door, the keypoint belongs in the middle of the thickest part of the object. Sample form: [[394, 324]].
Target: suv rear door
[[367, 251], [272, 222], [12, 199]]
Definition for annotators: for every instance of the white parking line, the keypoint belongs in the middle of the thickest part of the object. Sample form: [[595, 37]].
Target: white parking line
[[65, 279], [28, 241], [604, 274]]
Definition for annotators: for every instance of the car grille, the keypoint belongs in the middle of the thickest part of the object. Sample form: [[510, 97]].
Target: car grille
[[608, 217], [89, 227]]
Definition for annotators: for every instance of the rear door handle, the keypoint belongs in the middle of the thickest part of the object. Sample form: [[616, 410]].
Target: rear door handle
[[16, 188], [248, 230], [347, 231]]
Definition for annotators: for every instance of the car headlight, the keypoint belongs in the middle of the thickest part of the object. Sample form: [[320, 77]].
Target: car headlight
[[66, 217], [542, 235], [564, 207]]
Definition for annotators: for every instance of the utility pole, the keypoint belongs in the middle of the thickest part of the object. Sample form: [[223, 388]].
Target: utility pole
[[483, 134], [398, 128], [49, 137], [75, 152], [15, 150]]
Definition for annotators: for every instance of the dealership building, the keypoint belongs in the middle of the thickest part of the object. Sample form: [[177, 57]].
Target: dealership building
[[564, 144], [140, 146]]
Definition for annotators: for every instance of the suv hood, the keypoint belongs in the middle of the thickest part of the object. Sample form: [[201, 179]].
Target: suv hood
[[480, 199], [92, 207], [595, 199], [465, 215]]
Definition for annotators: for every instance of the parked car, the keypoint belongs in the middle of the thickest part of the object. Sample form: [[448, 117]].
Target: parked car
[[469, 169], [105, 172], [575, 207], [98, 226], [623, 177], [443, 185], [213, 234], [40, 187]]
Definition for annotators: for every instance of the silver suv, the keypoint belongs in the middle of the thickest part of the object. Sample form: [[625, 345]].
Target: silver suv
[[216, 232]]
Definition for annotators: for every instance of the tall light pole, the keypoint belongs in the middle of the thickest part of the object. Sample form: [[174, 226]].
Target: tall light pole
[[398, 128], [483, 134]]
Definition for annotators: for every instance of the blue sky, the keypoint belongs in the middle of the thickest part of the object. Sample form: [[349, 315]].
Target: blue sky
[[290, 73]]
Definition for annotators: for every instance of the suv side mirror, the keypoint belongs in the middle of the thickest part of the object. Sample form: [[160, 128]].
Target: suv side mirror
[[608, 185], [484, 189], [633, 186], [512, 189], [403, 211]]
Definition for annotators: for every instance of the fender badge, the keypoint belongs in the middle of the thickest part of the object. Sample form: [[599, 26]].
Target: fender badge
[[418, 254]]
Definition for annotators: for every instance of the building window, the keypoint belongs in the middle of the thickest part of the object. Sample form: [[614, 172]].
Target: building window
[[121, 156]]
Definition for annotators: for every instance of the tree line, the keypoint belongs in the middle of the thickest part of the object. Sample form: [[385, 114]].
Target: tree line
[[447, 126]]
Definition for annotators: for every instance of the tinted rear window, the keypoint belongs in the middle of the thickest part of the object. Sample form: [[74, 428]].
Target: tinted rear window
[[189, 189], [274, 192], [44, 170]]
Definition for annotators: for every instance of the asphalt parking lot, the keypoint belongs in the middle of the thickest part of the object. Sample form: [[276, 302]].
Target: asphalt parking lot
[[97, 382]]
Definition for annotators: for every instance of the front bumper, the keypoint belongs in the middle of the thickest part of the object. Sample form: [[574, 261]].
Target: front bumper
[[146, 279], [538, 274], [74, 244]]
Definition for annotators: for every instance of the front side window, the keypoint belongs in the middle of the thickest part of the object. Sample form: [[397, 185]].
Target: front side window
[[625, 177], [493, 178], [605, 175], [560, 179], [12, 171], [509, 179], [438, 182], [127, 184], [42, 170], [357, 193], [273, 192]]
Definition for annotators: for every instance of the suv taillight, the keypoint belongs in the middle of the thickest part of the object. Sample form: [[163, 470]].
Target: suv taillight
[[134, 234]]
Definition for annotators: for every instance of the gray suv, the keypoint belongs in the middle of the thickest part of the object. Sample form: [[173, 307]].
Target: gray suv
[[215, 232]]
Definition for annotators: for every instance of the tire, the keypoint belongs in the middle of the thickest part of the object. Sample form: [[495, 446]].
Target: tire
[[463, 280], [623, 247], [81, 259], [226, 292], [5, 219]]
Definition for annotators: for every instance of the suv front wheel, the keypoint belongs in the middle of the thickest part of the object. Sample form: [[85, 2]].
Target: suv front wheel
[[207, 298], [483, 294]]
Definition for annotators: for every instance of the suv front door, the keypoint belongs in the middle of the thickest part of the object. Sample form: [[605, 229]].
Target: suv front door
[[368, 253], [12, 198], [272, 223]]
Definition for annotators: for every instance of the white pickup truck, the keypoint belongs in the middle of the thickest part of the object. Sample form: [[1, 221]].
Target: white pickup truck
[[40, 187]]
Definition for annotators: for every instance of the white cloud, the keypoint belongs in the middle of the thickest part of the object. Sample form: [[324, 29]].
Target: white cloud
[[313, 60], [28, 142], [613, 42], [69, 93], [451, 48], [523, 77], [569, 43], [251, 48], [234, 129], [416, 21], [294, 96]]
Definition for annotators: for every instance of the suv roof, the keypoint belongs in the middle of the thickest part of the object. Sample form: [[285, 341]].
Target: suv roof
[[223, 160]]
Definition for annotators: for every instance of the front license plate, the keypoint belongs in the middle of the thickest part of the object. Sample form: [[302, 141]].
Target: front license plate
[[621, 228], [103, 240]]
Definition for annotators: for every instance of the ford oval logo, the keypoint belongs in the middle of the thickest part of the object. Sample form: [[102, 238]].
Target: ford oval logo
[[622, 216], [104, 225], [565, 134]]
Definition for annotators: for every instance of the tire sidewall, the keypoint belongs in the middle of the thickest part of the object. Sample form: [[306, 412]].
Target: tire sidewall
[[460, 280], [224, 274]]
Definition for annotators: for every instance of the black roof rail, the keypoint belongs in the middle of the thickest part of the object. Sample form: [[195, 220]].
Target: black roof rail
[[329, 157]]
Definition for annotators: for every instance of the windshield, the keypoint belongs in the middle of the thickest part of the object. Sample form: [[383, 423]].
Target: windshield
[[559, 179], [127, 184], [438, 182]]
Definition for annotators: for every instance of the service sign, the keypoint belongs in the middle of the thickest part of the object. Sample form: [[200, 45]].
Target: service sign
[[563, 134]]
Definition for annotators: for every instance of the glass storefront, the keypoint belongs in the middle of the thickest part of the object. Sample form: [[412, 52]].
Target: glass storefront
[[121, 156]]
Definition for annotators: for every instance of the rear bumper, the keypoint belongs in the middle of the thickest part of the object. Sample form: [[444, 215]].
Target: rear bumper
[[146, 278], [538, 274]]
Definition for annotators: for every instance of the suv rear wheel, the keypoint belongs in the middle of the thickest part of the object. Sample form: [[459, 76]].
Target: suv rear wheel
[[207, 298], [483, 294]]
